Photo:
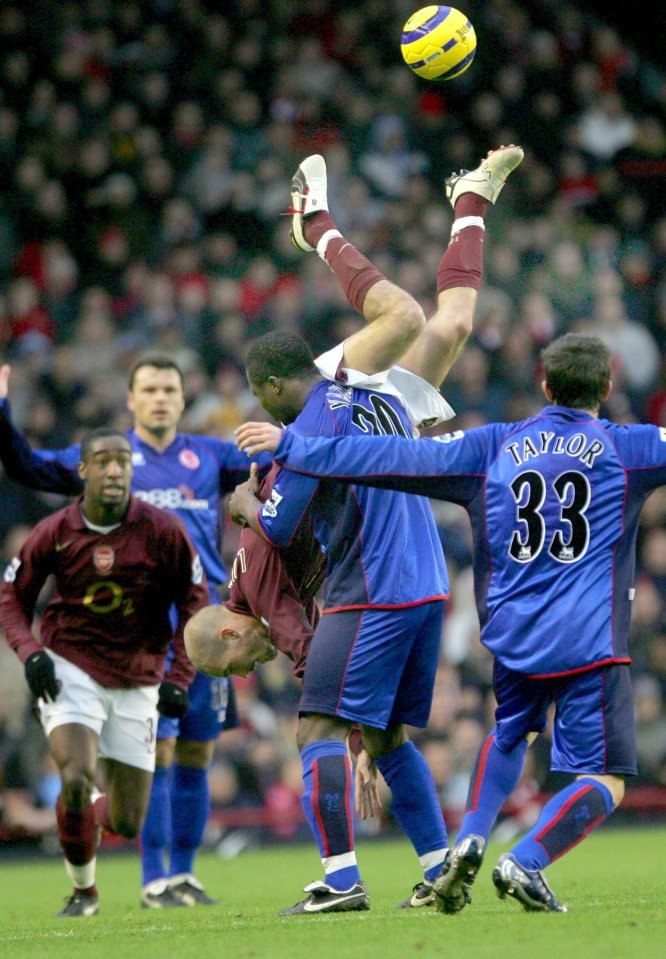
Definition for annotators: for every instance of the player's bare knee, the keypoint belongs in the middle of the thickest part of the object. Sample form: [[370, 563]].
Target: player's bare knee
[[127, 823], [462, 327], [314, 728], [165, 750], [614, 785], [412, 317], [381, 742], [77, 787], [616, 788], [194, 755]]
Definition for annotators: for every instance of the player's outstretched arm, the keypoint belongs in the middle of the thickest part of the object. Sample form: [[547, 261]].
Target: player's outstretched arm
[[42, 469], [450, 467], [255, 438]]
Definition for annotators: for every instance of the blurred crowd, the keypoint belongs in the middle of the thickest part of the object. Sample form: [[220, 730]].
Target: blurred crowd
[[146, 150]]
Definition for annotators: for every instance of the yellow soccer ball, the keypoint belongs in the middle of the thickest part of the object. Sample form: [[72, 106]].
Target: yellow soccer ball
[[438, 43]]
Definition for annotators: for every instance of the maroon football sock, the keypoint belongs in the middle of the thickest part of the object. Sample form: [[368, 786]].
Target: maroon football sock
[[77, 832], [462, 263], [470, 204], [354, 272], [88, 891], [315, 225]]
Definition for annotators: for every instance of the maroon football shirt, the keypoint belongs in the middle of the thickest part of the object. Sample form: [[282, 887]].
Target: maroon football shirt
[[109, 611], [279, 586]]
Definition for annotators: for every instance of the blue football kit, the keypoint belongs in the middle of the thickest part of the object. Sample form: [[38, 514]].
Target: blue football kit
[[554, 504], [384, 557], [375, 651]]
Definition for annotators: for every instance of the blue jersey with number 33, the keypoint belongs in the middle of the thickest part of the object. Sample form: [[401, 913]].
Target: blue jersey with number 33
[[554, 503]]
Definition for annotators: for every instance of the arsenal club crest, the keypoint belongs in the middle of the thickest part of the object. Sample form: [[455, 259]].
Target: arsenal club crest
[[189, 459], [104, 558]]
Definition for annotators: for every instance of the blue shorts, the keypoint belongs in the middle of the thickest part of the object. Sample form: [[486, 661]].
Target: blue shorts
[[374, 666], [593, 730], [212, 709]]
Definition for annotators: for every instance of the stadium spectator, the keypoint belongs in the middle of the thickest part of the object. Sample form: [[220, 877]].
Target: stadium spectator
[[97, 671]]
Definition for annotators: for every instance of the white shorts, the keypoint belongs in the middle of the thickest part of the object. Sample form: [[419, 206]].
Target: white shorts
[[124, 719]]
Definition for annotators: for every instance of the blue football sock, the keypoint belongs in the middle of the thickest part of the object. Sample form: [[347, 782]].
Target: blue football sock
[[415, 804], [190, 809], [156, 832], [328, 801], [495, 776], [565, 820]]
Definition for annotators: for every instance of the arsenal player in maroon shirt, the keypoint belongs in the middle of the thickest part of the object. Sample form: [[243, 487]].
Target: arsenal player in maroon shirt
[[271, 606], [97, 670]]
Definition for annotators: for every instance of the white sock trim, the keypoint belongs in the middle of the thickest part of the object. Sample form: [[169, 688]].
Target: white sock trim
[[431, 859], [333, 863], [82, 876], [324, 240], [465, 221]]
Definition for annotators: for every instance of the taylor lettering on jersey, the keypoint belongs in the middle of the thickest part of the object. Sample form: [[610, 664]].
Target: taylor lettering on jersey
[[578, 445], [180, 497], [270, 507], [662, 434]]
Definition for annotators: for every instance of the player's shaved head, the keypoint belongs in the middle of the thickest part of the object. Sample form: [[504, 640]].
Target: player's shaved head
[[203, 640], [222, 643]]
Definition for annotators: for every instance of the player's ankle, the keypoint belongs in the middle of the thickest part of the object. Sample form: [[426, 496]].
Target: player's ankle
[[315, 225], [470, 204]]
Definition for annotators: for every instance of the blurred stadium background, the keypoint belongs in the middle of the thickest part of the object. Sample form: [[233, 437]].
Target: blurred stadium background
[[146, 150]]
